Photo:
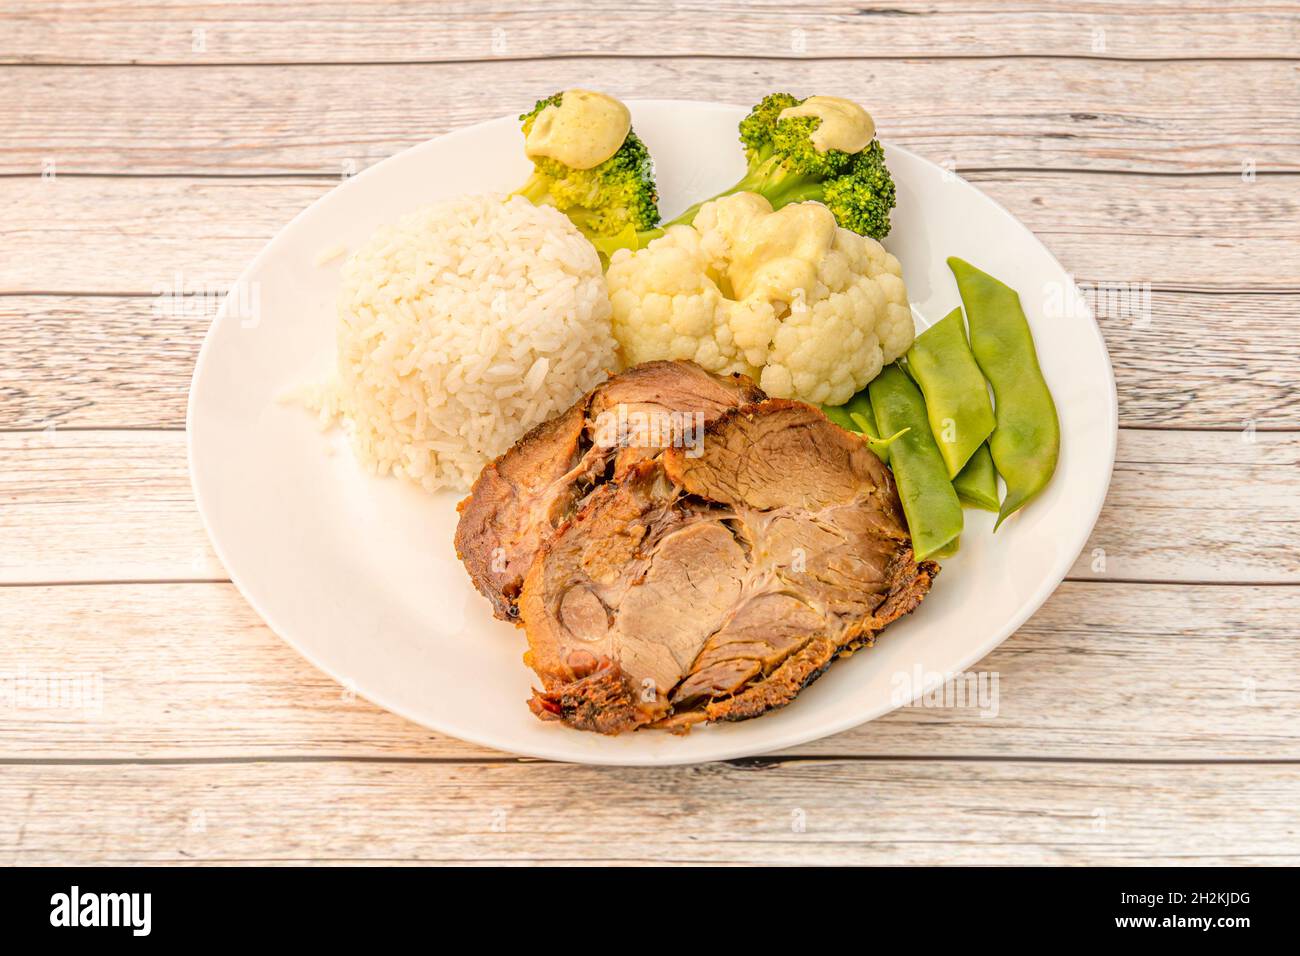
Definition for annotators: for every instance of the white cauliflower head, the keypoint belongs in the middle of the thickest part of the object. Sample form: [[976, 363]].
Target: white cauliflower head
[[805, 308]]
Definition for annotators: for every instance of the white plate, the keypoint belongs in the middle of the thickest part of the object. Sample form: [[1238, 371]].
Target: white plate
[[359, 573]]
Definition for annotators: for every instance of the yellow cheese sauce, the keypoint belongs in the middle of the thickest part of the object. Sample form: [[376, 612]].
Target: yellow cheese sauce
[[844, 125], [777, 254], [582, 132]]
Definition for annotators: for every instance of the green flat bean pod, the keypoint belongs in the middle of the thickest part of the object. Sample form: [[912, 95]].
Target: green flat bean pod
[[861, 412], [880, 446], [839, 416], [977, 483], [956, 395], [949, 549], [933, 512], [857, 416], [1027, 438]]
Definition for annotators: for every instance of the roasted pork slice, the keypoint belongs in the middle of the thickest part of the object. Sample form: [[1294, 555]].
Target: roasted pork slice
[[715, 586], [619, 603], [521, 498]]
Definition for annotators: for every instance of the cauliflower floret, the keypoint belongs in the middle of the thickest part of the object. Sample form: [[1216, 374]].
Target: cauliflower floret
[[805, 308]]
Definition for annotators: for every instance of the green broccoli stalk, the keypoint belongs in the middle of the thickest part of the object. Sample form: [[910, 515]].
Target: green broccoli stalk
[[615, 198], [784, 167]]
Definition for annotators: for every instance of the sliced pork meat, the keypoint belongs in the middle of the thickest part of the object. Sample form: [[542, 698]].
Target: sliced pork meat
[[521, 498], [715, 582], [618, 605]]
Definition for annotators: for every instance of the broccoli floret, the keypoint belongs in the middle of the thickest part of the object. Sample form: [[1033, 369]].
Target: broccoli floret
[[862, 198], [757, 128], [793, 151], [527, 118], [607, 200], [785, 167], [856, 187]]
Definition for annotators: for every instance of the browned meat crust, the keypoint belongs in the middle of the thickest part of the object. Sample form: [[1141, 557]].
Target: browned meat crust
[[717, 586], [515, 503], [603, 701], [909, 583], [519, 500]]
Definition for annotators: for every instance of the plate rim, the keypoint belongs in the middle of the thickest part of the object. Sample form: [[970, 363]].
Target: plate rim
[[667, 758]]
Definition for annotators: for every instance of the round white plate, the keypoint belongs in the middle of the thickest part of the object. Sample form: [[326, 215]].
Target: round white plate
[[359, 574]]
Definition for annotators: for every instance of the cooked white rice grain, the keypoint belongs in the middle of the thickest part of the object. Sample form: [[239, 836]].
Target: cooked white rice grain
[[460, 328]]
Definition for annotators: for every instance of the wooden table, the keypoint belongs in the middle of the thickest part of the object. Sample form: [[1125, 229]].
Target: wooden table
[[1148, 713]]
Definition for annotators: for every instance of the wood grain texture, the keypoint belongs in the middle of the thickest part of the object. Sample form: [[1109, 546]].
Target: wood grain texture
[[99, 361], [1108, 672], [848, 811], [1198, 361], [1172, 117], [248, 31], [153, 236], [1183, 506], [121, 503], [1137, 722]]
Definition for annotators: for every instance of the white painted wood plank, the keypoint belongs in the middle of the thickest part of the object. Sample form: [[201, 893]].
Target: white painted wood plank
[[241, 31], [1166, 116], [1102, 672], [833, 811]]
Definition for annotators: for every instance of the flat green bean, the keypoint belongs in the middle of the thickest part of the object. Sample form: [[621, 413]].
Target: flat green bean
[[878, 445], [860, 404], [930, 504], [860, 410], [956, 395], [839, 416], [949, 549], [977, 483], [1027, 438], [857, 416]]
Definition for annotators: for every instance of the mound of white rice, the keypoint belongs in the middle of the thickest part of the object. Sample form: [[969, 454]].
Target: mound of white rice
[[461, 327]]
